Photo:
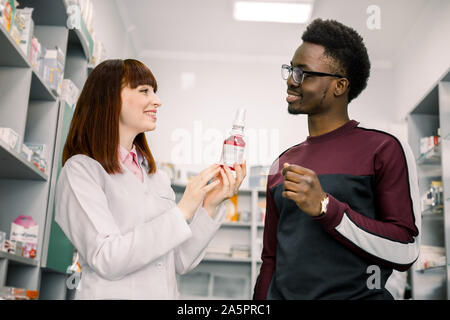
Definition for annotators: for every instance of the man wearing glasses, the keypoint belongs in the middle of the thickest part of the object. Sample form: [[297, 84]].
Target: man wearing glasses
[[342, 206]]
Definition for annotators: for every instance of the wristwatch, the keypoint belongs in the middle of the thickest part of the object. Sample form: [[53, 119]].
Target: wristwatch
[[324, 205]]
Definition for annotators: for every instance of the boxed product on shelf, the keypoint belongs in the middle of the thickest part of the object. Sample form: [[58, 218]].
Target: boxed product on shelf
[[9, 246], [12, 293], [69, 93], [26, 153], [24, 229], [7, 9], [433, 200], [17, 27], [245, 216], [428, 143], [262, 210], [27, 33], [431, 257], [240, 251], [35, 54], [19, 248], [39, 157], [258, 176], [231, 213], [218, 251], [11, 138], [53, 68], [2, 240]]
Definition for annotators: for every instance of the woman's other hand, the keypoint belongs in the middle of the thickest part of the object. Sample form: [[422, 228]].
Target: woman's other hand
[[196, 190], [228, 186]]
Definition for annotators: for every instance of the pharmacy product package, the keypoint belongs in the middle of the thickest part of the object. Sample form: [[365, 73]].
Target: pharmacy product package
[[25, 230]]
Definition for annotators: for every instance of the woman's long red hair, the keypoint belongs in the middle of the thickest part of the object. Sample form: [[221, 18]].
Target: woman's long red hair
[[94, 130]]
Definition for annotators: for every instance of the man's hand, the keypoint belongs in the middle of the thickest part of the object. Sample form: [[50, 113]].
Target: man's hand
[[303, 187]]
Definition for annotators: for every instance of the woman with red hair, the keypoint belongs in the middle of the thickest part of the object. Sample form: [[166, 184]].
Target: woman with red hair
[[113, 204]]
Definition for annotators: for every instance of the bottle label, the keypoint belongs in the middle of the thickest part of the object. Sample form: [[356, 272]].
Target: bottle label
[[232, 154]]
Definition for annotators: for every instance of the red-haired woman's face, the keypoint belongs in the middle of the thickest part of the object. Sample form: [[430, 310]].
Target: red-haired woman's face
[[138, 113]]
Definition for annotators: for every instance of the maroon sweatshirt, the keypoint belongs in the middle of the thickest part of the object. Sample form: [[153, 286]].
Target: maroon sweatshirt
[[372, 220]]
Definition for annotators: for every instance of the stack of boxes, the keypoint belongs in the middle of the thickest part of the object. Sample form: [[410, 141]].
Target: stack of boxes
[[23, 238], [429, 146], [35, 153], [48, 63]]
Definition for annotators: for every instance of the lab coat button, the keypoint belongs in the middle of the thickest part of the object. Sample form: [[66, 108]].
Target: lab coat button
[[159, 265]]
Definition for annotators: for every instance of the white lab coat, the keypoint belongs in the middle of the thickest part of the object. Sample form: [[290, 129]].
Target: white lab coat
[[131, 237]]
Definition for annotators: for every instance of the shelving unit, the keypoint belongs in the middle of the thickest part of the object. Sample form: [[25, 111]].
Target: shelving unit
[[229, 234], [36, 113], [431, 113]]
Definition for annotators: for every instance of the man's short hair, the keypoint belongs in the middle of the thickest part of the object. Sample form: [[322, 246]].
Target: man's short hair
[[347, 49]]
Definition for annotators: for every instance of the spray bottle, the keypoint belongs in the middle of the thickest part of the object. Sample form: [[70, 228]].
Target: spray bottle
[[234, 145]]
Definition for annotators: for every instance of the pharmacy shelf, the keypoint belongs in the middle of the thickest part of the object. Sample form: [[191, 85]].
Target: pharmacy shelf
[[238, 232], [39, 90], [11, 54], [236, 224], [84, 39], [47, 12], [432, 216], [37, 116], [431, 158], [212, 258], [14, 166], [58, 17], [18, 260], [432, 269], [430, 113]]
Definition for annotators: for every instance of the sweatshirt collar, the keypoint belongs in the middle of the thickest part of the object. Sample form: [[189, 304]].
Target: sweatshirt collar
[[336, 132]]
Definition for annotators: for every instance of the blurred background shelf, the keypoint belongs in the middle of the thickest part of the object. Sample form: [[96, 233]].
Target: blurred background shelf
[[13, 166], [18, 260]]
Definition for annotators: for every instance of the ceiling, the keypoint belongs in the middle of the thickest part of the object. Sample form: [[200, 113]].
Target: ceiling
[[206, 28]]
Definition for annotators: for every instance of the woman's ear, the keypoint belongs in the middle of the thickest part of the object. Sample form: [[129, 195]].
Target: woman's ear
[[342, 86]]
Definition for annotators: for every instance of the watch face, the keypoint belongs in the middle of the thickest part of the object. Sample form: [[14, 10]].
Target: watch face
[[324, 205]]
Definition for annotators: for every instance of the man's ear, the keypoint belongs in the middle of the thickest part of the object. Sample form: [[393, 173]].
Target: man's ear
[[342, 86]]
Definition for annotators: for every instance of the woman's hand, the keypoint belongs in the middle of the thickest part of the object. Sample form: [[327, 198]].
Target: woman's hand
[[228, 187], [196, 189]]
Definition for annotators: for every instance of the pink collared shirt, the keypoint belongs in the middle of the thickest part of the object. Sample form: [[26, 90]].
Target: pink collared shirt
[[130, 160]]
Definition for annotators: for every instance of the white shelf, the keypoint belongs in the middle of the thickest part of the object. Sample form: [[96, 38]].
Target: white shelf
[[13, 56], [211, 258], [39, 90], [236, 224], [431, 113], [14, 166], [18, 259], [432, 269], [431, 158]]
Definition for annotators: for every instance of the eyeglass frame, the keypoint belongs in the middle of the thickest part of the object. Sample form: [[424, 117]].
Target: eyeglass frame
[[313, 73]]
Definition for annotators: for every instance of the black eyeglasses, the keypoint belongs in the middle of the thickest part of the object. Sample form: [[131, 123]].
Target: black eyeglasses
[[298, 74]]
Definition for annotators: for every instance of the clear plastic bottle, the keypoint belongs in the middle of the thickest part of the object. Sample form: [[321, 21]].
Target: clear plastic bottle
[[234, 146]]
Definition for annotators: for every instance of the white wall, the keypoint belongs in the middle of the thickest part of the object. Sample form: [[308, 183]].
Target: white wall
[[221, 86], [109, 28], [422, 56], [421, 59]]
